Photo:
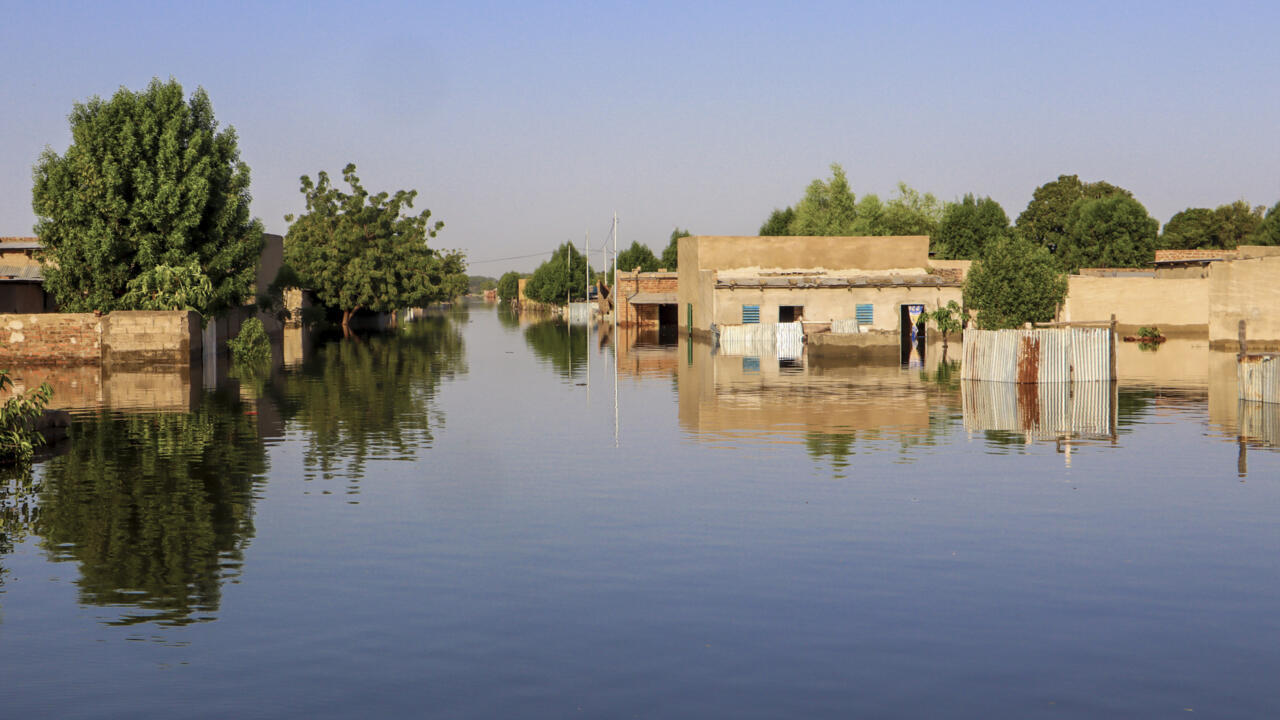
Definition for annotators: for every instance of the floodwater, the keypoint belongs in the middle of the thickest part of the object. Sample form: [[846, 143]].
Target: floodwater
[[469, 519]]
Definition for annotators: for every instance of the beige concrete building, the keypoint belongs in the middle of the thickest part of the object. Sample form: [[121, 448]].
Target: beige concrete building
[[727, 280]]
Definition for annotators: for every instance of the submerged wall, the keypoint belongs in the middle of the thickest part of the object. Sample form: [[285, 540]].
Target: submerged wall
[[1246, 290], [92, 339], [1178, 306]]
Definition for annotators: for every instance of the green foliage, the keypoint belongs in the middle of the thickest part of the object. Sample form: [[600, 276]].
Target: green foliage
[[147, 182], [361, 251], [18, 416], [637, 256], [947, 318], [477, 284], [508, 286], [167, 287], [779, 222], [156, 508], [1189, 229], [1044, 222], [1268, 232], [967, 227], [558, 278], [1014, 282], [251, 345], [909, 213], [561, 345], [1235, 223], [671, 254], [829, 207], [1148, 333], [1114, 231]]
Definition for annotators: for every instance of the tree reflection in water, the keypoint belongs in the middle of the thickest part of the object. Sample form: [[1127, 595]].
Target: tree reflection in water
[[371, 397], [156, 508], [562, 345]]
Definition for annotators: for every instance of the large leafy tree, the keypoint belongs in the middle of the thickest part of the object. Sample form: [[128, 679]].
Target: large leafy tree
[[1044, 222], [1114, 231], [1188, 230], [508, 286], [968, 226], [910, 212], [1014, 282], [829, 207], [778, 222], [671, 254], [637, 256], [148, 187], [1268, 232], [360, 251], [561, 277]]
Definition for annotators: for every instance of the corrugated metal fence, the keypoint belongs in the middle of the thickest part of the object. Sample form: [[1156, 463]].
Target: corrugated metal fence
[[1048, 355], [1258, 378], [1038, 410], [580, 313], [761, 339], [845, 326]]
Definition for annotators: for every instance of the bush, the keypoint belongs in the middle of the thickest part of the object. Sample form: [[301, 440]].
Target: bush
[[251, 344], [18, 416]]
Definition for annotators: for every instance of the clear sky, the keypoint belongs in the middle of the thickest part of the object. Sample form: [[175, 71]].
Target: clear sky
[[523, 124]]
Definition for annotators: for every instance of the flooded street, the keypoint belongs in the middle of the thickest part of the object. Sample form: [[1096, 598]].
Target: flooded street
[[470, 519]]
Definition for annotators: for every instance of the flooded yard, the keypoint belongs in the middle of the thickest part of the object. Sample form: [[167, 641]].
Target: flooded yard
[[474, 518]]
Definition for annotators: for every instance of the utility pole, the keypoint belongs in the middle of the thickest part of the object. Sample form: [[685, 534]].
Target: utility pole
[[613, 295]]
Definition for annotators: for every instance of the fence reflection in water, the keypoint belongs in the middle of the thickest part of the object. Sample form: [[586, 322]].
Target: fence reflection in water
[[1040, 410]]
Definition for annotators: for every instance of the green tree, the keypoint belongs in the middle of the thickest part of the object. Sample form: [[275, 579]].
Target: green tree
[[778, 222], [830, 208], [948, 319], [1114, 231], [508, 286], [671, 254], [148, 181], [968, 226], [1014, 282], [1235, 223], [909, 213], [560, 278], [1268, 232], [1189, 229], [1044, 222], [637, 256], [361, 251]]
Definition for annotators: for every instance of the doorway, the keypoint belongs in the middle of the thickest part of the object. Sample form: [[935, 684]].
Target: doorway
[[912, 330], [790, 313]]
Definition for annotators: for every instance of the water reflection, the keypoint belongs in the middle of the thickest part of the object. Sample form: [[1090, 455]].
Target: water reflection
[[370, 397], [560, 345], [156, 508], [1040, 410]]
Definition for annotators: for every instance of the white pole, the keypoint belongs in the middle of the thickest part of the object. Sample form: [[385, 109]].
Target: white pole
[[586, 253], [613, 294]]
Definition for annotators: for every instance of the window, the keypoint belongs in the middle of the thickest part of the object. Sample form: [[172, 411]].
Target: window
[[750, 364], [865, 314], [750, 314], [790, 313]]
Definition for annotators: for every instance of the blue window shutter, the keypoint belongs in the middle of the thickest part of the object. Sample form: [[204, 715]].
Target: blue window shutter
[[750, 314], [865, 314]]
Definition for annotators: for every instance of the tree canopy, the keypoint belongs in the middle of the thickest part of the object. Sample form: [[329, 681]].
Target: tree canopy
[[1014, 282], [508, 286], [967, 227], [778, 222], [829, 207], [1113, 231], [1223, 228], [560, 278], [361, 251], [671, 254], [1044, 222], [148, 187], [637, 256], [1268, 232]]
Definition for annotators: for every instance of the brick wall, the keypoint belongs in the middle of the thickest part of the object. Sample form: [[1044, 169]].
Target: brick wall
[[641, 282], [1178, 255], [89, 339], [51, 338]]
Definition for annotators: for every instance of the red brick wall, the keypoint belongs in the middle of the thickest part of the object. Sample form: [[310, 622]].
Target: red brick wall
[[51, 338], [631, 283], [1172, 255]]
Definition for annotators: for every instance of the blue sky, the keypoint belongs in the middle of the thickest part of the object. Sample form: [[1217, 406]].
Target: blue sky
[[523, 125]]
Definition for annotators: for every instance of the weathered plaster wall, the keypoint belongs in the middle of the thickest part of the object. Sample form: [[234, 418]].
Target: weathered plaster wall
[[1178, 306], [824, 304], [1246, 290]]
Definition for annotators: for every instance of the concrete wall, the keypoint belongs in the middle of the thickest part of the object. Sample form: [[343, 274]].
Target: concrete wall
[[89, 339], [702, 256], [1179, 307], [824, 304], [1246, 290]]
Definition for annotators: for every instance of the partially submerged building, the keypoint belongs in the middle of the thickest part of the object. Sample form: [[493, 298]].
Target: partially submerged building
[[859, 283], [648, 299]]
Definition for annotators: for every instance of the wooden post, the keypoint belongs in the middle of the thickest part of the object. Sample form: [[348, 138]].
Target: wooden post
[[1243, 348], [1113, 347]]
